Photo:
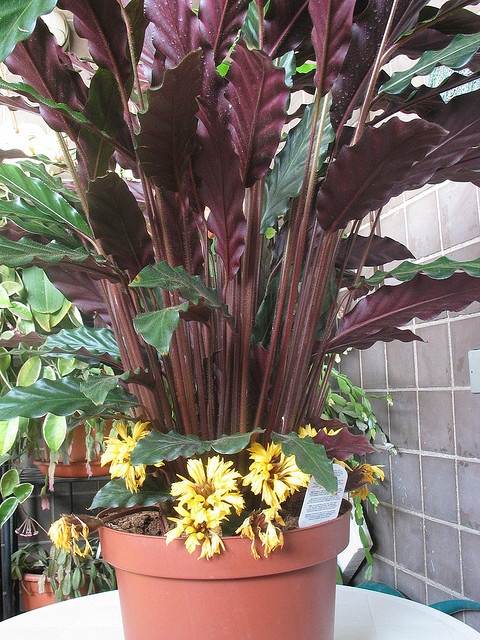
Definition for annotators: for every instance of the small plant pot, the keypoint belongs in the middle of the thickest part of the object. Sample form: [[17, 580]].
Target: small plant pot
[[30, 594]]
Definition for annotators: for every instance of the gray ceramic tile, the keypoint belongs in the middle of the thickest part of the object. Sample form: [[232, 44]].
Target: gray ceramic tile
[[458, 213], [393, 226], [471, 565], [467, 423], [411, 586], [404, 419], [373, 367], [433, 357], [350, 366], [381, 530], [436, 421], [465, 336], [409, 542], [383, 572], [400, 365], [422, 225], [439, 498], [442, 554], [407, 491], [468, 484]]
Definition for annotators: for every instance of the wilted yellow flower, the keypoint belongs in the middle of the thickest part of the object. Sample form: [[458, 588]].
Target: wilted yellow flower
[[273, 475], [119, 448], [67, 531], [361, 476], [211, 487], [205, 532], [261, 525]]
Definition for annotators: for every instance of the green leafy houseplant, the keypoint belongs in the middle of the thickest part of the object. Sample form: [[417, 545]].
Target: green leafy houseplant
[[70, 576], [210, 221]]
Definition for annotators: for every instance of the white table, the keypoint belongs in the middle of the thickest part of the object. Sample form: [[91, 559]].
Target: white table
[[360, 614]]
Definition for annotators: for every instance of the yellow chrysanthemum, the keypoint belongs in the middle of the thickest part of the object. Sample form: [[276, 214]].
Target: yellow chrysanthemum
[[211, 487], [119, 448], [307, 430], [205, 532], [261, 525], [366, 474], [67, 531], [273, 475]]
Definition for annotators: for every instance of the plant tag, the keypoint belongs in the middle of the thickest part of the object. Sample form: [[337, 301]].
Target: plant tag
[[319, 505]]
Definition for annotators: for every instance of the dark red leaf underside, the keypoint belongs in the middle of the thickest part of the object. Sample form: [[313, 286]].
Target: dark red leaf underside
[[379, 251], [220, 22], [258, 95], [344, 444]]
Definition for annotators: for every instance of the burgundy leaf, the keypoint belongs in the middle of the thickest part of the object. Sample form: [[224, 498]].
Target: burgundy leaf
[[366, 175], [258, 95], [101, 23], [287, 24], [381, 250], [359, 340], [45, 67], [221, 187], [175, 32], [31, 339], [393, 306], [342, 445], [82, 291], [460, 118], [168, 127], [118, 223], [220, 22], [332, 28]]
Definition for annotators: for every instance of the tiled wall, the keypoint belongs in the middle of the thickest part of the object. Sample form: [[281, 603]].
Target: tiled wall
[[427, 537]]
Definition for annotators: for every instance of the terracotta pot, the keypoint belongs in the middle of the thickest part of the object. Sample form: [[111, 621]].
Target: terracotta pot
[[289, 595], [31, 597]]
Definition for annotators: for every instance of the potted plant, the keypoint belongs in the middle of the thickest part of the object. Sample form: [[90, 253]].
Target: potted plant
[[47, 574], [210, 219]]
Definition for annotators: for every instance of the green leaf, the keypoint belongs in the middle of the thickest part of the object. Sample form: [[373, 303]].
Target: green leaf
[[54, 431], [7, 509], [8, 434], [17, 21], [29, 372], [97, 388], [310, 458], [61, 397], [116, 494], [438, 270], [23, 491], [455, 56], [157, 327], [42, 296], [50, 205], [8, 482], [172, 278], [157, 447], [285, 180], [94, 341], [228, 445]]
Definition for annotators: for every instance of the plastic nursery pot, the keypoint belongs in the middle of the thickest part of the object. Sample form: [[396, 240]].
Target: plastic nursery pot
[[31, 596], [166, 591]]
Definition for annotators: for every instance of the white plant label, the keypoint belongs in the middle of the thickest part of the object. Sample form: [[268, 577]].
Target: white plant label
[[319, 505]]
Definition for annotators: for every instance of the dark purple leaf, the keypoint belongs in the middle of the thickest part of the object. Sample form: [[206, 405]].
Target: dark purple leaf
[[45, 67], [366, 175], [31, 339], [220, 22], [221, 186], [287, 26], [344, 444], [101, 23], [176, 32], [460, 117], [168, 127], [82, 291], [381, 250], [332, 28], [118, 223], [376, 316], [258, 95]]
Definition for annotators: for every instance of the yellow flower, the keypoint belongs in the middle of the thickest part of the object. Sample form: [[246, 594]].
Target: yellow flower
[[262, 525], [273, 475], [307, 430], [213, 487], [364, 474], [119, 448], [66, 531], [206, 533]]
